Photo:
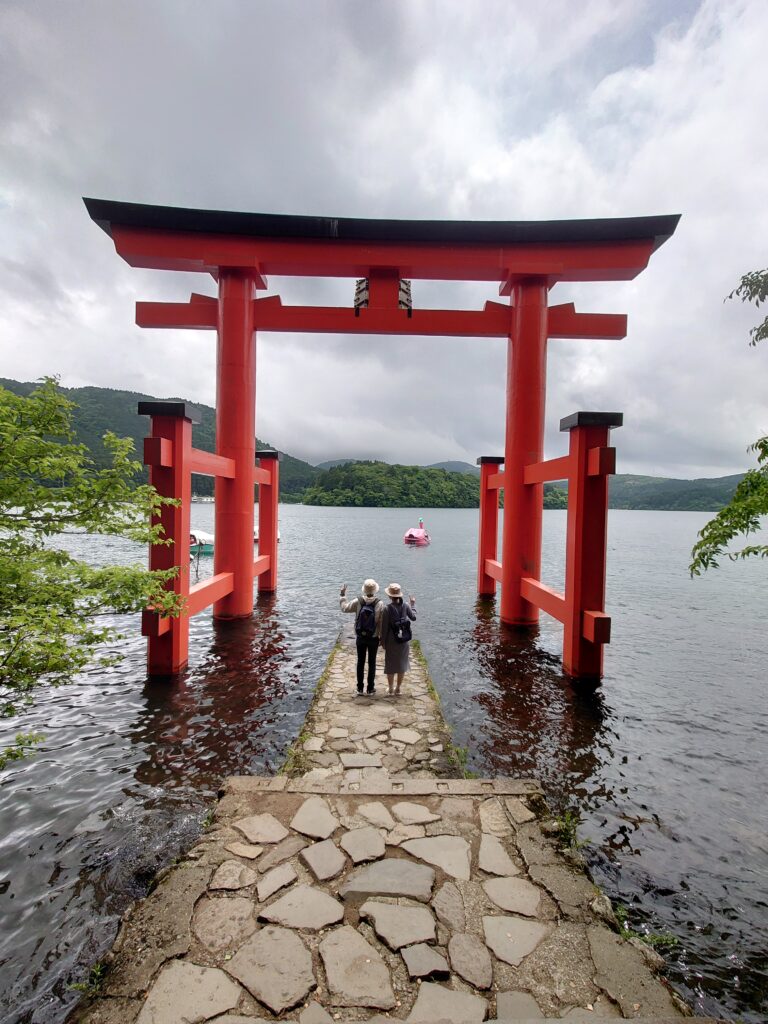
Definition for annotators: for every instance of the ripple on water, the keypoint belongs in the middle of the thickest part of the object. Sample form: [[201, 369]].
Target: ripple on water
[[665, 762]]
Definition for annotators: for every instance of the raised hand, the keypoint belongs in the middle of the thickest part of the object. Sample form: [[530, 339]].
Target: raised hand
[[343, 590]]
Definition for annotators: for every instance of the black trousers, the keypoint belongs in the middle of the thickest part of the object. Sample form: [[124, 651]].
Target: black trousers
[[366, 649]]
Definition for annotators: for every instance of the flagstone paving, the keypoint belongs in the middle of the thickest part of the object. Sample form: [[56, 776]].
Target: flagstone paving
[[374, 886]]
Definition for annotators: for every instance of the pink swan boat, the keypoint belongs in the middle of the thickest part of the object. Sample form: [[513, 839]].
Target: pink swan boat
[[416, 537]]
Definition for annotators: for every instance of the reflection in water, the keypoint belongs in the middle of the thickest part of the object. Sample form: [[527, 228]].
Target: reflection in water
[[539, 723], [207, 722]]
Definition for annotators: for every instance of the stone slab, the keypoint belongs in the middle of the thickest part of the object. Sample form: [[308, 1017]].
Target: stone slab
[[232, 874], [356, 973], [512, 939], [398, 925], [275, 880], [276, 968], [518, 811], [449, 907], [363, 844], [493, 818], [314, 819], [325, 860], [423, 961], [283, 851], [471, 960], [451, 853], [360, 760], [622, 973], [493, 858], [224, 923], [405, 735], [186, 992], [517, 1005], [409, 813], [247, 850], [400, 833], [304, 907], [515, 895], [261, 828], [390, 877], [436, 1003], [377, 814], [314, 1013]]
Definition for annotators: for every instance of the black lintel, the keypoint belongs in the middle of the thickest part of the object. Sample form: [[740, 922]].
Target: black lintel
[[108, 213], [178, 410], [490, 460], [269, 453], [592, 419]]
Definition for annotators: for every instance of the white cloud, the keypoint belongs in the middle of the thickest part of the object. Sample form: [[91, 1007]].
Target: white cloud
[[398, 109]]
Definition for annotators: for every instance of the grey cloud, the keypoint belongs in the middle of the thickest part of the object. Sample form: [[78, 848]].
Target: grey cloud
[[395, 109]]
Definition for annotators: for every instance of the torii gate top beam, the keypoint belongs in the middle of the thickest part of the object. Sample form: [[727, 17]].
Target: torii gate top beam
[[173, 238]]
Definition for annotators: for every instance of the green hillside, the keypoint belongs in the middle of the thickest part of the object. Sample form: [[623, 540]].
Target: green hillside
[[456, 467], [374, 484], [103, 409], [349, 482], [654, 492]]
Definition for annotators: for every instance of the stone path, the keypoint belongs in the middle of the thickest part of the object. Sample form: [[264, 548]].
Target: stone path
[[376, 890], [350, 737]]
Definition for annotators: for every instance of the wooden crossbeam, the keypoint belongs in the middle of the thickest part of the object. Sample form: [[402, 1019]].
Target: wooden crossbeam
[[552, 469], [549, 600]]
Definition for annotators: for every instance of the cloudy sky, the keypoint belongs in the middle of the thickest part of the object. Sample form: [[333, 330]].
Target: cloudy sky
[[500, 109]]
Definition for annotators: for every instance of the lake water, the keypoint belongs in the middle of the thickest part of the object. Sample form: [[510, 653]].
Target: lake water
[[666, 762]]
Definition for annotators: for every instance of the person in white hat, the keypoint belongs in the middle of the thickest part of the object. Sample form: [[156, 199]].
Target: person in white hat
[[368, 620], [396, 636]]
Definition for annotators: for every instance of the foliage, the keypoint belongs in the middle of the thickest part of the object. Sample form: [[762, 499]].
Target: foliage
[[742, 515], [19, 748], [657, 940], [567, 830], [754, 288], [92, 986], [51, 604]]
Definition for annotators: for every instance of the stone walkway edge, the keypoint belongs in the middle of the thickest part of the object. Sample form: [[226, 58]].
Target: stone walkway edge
[[366, 884]]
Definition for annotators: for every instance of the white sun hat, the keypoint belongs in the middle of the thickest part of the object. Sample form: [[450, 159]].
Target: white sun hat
[[370, 588]]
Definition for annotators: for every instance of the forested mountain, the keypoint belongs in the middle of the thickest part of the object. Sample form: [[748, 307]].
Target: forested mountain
[[456, 467], [378, 483], [349, 482]]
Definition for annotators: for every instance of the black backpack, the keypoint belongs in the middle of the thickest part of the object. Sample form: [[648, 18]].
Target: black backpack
[[365, 623], [401, 626]]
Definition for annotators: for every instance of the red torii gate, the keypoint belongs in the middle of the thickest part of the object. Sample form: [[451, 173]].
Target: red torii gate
[[526, 258]]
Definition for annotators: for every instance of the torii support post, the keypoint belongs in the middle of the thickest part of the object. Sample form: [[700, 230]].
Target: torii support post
[[490, 483], [236, 440], [166, 452], [581, 609], [587, 627], [524, 445], [268, 479]]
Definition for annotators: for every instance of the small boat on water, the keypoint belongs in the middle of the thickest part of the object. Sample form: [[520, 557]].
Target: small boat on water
[[416, 537], [201, 543]]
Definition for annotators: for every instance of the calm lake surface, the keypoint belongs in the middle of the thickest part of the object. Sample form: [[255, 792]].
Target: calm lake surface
[[666, 763]]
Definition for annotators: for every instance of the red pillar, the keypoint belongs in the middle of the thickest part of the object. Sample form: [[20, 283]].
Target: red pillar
[[524, 444], [236, 439], [166, 452], [587, 628], [268, 521], [487, 546]]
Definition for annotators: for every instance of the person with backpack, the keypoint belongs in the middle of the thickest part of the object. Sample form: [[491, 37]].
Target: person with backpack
[[396, 636], [368, 610]]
